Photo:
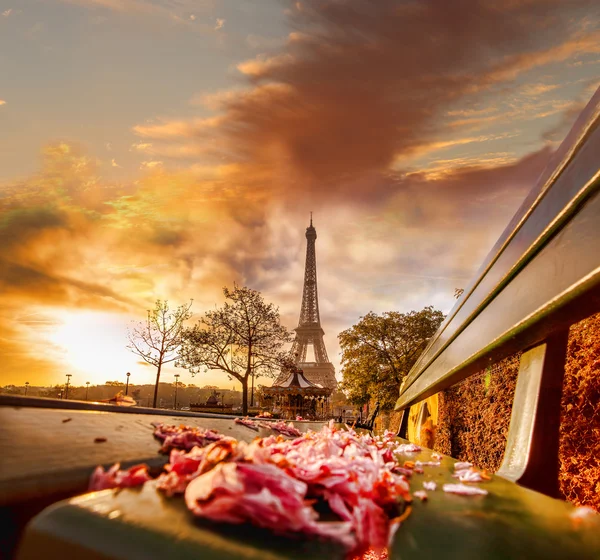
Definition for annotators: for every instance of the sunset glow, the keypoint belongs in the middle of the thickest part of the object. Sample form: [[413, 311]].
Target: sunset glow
[[161, 149], [92, 346]]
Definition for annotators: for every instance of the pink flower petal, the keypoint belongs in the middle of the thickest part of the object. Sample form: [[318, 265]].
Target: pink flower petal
[[464, 490]]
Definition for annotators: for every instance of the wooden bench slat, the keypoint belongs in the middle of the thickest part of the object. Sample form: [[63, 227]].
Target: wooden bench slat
[[511, 522], [142, 524], [564, 190], [45, 402], [560, 285], [42, 455]]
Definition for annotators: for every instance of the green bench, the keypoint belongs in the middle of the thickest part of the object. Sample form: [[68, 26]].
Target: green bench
[[50, 448], [542, 276]]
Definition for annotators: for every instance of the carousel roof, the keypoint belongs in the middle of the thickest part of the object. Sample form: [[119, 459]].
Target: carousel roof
[[296, 383], [296, 379]]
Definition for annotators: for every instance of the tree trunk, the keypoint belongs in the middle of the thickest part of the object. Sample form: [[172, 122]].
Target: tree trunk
[[371, 420], [158, 368], [245, 396]]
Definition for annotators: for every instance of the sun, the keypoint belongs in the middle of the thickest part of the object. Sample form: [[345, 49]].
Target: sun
[[92, 346]]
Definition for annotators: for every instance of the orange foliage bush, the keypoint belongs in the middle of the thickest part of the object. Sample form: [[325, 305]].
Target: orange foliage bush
[[579, 453], [474, 416]]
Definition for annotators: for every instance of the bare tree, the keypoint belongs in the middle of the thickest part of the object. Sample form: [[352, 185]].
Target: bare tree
[[240, 338], [157, 340]]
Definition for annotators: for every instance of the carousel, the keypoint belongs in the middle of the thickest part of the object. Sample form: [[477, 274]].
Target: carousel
[[297, 396]]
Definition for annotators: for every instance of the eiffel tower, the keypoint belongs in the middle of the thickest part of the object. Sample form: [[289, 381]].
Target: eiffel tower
[[309, 329]]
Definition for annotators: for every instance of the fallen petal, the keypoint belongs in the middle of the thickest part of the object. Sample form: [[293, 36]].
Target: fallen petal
[[421, 494], [464, 490]]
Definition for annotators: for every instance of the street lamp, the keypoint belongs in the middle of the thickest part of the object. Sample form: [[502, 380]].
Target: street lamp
[[252, 397], [26, 387], [87, 388], [67, 387], [176, 385], [127, 386]]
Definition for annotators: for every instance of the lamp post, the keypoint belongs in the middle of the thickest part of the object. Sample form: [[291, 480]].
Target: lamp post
[[252, 397], [26, 387], [67, 386], [127, 385], [87, 388], [176, 385]]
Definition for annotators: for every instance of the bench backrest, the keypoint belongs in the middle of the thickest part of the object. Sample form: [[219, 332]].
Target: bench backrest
[[542, 275]]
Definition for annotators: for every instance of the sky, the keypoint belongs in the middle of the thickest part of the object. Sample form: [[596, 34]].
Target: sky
[[163, 149]]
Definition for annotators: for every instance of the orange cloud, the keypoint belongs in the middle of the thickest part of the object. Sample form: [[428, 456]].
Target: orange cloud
[[70, 242], [117, 5], [323, 125], [471, 112], [535, 90], [512, 66], [151, 164], [262, 65], [142, 147], [358, 87], [521, 111], [176, 129], [419, 150], [177, 11]]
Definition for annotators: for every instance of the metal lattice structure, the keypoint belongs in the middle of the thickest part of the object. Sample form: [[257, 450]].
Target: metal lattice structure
[[309, 329]]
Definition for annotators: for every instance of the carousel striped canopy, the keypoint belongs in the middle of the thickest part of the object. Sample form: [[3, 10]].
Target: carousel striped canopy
[[296, 383]]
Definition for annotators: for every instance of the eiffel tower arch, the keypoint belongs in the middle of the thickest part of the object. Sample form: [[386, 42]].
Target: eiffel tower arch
[[309, 330]]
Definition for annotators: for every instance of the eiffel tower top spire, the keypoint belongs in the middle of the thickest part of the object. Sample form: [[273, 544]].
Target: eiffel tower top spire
[[309, 312]]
